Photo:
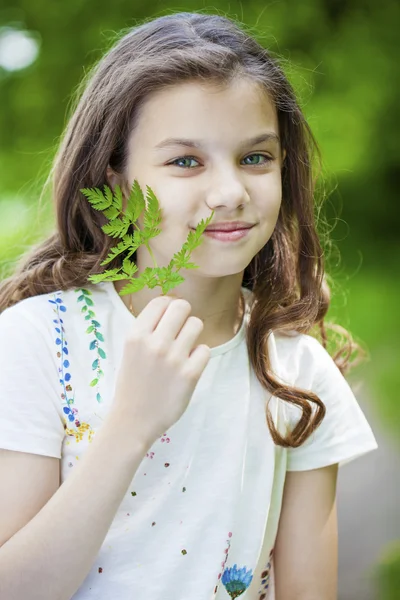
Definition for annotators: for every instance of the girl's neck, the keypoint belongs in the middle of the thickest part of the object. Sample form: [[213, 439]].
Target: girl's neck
[[222, 312]]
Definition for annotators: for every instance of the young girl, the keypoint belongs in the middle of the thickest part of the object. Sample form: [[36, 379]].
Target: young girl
[[174, 447]]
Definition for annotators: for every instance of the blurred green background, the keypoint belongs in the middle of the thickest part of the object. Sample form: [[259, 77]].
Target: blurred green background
[[342, 59]]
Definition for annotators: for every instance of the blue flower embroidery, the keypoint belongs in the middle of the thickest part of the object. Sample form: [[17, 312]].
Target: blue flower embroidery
[[73, 426], [70, 412], [236, 581]]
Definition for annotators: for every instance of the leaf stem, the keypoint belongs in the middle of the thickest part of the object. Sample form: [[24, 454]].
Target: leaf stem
[[151, 254]]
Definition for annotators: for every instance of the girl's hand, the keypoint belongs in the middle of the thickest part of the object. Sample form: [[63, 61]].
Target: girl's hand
[[160, 367]]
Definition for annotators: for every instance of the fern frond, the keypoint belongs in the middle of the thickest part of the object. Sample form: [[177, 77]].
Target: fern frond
[[108, 193], [111, 204], [116, 228], [111, 213], [136, 203], [148, 277], [118, 198], [123, 245], [109, 275], [152, 216], [128, 268], [96, 198]]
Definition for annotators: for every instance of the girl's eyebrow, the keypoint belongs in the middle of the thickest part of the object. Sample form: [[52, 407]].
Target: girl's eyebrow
[[264, 137]]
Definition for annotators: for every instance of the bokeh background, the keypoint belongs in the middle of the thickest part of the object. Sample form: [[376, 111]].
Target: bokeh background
[[341, 57]]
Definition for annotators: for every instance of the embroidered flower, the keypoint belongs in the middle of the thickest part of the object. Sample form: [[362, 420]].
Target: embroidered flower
[[265, 576], [71, 412], [236, 581], [226, 552], [73, 425]]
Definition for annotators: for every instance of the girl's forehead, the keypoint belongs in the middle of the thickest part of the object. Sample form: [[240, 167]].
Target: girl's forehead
[[212, 91], [199, 104]]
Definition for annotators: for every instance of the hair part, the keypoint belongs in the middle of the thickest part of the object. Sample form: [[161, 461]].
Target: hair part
[[287, 276]]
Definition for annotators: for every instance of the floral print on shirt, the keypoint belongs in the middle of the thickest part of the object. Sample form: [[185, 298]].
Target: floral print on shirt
[[94, 327], [265, 577], [236, 581], [73, 425]]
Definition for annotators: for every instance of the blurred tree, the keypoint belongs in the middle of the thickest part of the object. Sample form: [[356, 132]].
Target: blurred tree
[[341, 57]]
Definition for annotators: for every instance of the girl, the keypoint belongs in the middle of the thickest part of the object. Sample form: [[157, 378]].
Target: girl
[[162, 447]]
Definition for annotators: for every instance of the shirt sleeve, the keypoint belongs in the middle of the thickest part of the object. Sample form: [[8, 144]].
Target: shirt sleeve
[[344, 433], [31, 420]]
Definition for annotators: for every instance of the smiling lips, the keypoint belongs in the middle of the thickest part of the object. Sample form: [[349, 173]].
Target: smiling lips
[[229, 226], [227, 236]]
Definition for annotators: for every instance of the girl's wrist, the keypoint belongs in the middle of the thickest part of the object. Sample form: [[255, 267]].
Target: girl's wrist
[[132, 441]]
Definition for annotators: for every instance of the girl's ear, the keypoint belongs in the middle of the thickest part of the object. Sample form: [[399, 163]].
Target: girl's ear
[[114, 179], [283, 155]]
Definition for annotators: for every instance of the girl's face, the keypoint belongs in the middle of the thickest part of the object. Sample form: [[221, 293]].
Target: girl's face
[[225, 172]]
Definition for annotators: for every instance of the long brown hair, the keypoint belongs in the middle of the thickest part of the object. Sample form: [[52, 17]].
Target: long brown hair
[[287, 276]]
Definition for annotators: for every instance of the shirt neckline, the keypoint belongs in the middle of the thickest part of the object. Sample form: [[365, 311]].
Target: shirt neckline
[[120, 306]]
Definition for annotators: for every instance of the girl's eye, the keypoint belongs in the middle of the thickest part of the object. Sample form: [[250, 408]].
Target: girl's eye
[[182, 159], [267, 160]]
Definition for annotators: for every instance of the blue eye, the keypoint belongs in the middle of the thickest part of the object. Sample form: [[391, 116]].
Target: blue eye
[[268, 159], [181, 158]]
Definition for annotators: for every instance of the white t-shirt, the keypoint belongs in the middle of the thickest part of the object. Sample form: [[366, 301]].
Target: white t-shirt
[[200, 517]]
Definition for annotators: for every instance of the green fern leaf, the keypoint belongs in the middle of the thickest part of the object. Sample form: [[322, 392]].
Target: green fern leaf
[[129, 268], [126, 243], [116, 228], [111, 213], [118, 198], [96, 198], [112, 204], [108, 193], [136, 203], [109, 275], [152, 217]]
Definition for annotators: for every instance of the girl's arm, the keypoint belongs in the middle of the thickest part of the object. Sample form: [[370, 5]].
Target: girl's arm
[[47, 556], [305, 554]]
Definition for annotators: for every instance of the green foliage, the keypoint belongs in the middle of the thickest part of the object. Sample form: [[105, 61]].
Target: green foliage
[[340, 56], [387, 572], [119, 222], [367, 305]]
